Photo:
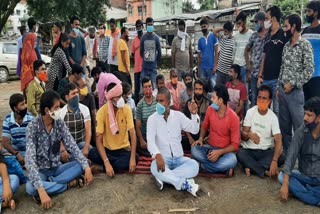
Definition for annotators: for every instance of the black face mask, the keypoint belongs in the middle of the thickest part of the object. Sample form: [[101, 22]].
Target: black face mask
[[140, 33], [198, 96], [22, 113], [288, 34], [189, 85], [204, 31]]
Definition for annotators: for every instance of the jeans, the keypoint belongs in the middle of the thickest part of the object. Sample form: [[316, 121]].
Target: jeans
[[222, 78], [207, 74], [119, 159], [258, 161], [14, 184], [137, 87], [55, 180], [273, 85], [305, 188], [222, 165], [151, 74], [177, 169], [291, 114], [254, 90]]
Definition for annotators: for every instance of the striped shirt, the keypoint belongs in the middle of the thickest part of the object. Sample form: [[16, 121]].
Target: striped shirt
[[15, 132], [226, 54], [143, 111], [103, 48]]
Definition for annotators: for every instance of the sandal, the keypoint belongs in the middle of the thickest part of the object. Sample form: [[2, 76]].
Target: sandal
[[77, 182]]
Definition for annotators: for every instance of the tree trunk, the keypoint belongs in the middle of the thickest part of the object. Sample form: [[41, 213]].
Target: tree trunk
[[6, 9]]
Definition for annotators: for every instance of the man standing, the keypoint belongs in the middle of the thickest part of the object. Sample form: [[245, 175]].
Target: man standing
[[77, 48], [262, 147], [113, 46], [296, 69], [207, 54], [181, 51], [150, 51], [36, 87], [164, 144], [103, 42], [135, 51], [124, 56], [312, 33], [272, 54], [224, 136], [91, 42], [47, 176], [304, 183], [255, 45]]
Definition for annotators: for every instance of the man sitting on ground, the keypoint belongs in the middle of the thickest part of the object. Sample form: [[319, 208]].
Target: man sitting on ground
[[176, 88], [160, 83], [47, 176], [164, 144], [261, 152], [187, 92], [224, 136], [127, 96]]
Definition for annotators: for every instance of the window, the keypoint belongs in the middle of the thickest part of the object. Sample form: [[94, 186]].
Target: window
[[10, 48], [130, 10], [18, 12], [140, 11]]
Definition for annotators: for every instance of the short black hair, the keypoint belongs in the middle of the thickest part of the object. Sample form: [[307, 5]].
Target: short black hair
[[123, 30], [228, 26], [166, 92], [102, 24], [236, 69], [275, 12], [126, 87], [15, 99], [112, 21], [31, 23], [76, 69], [315, 6], [265, 88], [139, 22], [242, 16], [188, 75], [102, 66], [313, 105], [222, 92], [159, 77], [145, 80], [204, 21], [182, 22], [294, 19], [111, 86], [47, 100], [69, 87], [37, 64], [200, 82], [74, 18], [23, 29], [95, 71], [59, 25], [149, 20]]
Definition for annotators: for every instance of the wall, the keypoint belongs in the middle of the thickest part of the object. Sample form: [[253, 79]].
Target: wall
[[135, 15], [163, 8]]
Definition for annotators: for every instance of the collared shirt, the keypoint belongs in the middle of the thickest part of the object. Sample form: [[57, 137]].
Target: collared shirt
[[175, 93], [43, 148], [297, 63], [34, 92], [104, 43], [206, 47], [15, 132], [256, 43], [164, 137], [182, 58], [307, 150]]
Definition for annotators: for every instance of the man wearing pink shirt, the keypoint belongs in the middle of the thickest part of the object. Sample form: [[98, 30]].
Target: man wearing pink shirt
[[176, 88]]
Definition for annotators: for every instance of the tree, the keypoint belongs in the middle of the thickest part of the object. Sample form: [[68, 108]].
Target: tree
[[291, 6], [6, 9], [91, 12], [206, 4], [187, 6]]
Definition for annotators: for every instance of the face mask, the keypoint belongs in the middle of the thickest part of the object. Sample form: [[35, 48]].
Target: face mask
[[189, 85], [83, 91], [101, 32], [56, 114], [267, 24], [240, 29], [198, 96], [76, 30], [204, 31], [120, 103], [74, 104], [22, 113], [257, 27], [288, 34], [215, 106], [309, 19], [148, 92], [160, 109], [149, 29], [43, 77], [140, 33], [311, 126], [174, 81], [262, 106]]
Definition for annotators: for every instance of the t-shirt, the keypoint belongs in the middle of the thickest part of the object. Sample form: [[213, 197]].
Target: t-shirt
[[206, 46], [122, 46], [77, 49], [273, 55], [135, 49], [150, 50], [182, 58], [143, 111], [125, 122], [113, 61], [241, 41], [313, 35], [236, 93], [226, 54], [175, 93], [265, 126], [256, 44]]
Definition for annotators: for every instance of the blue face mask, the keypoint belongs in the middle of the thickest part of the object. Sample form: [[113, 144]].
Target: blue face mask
[[215, 106], [160, 109], [149, 29], [76, 30], [74, 104], [257, 27]]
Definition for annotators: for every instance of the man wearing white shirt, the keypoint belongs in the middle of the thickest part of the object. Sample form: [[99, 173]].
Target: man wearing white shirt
[[164, 144], [261, 152]]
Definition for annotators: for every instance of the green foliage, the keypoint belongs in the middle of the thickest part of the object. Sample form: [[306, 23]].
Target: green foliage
[[187, 6], [206, 4], [91, 12], [6, 9], [290, 6]]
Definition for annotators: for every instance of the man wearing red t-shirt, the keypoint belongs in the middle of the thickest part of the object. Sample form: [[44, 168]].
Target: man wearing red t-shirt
[[224, 136]]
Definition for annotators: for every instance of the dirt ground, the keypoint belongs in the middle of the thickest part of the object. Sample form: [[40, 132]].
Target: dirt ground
[[138, 194]]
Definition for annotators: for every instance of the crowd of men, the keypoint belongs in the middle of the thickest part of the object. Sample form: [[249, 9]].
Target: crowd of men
[[256, 102]]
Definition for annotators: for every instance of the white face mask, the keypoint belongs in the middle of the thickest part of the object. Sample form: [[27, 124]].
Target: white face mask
[[120, 103], [267, 24], [56, 114]]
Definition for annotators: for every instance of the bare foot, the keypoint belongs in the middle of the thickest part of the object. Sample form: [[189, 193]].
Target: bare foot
[[267, 173], [247, 171], [11, 205], [230, 173]]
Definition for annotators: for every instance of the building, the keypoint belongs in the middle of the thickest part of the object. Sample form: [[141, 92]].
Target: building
[[18, 18]]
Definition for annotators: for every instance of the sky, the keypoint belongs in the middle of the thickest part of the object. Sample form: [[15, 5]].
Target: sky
[[195, 3]]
